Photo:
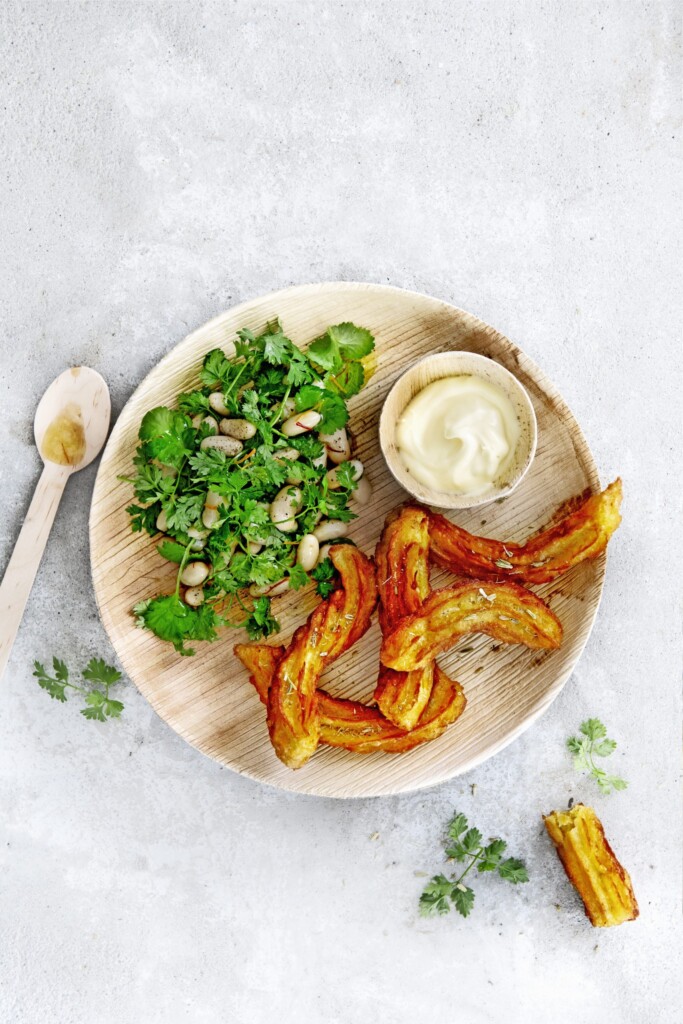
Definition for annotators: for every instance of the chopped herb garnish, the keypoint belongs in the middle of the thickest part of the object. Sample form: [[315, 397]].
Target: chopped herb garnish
[[211, 506]]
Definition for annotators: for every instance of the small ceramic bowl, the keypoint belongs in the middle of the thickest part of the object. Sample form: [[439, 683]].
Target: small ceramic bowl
[[455, 364]]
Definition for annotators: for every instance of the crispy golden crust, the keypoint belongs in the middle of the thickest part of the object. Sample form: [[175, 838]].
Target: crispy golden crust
[[508, 612], [401, 565], [332, 628], [581, 535], [402, 569], [352, 725], [591, 866]]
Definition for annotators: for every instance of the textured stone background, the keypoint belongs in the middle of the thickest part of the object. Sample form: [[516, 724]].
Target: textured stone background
[[162, 161]]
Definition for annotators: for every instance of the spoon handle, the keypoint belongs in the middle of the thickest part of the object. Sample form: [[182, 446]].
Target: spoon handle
[[28, 551]]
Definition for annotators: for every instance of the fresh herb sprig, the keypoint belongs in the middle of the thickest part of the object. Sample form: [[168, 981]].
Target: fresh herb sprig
[[594, 742], [99, 706], [268, 377], [465, 845]]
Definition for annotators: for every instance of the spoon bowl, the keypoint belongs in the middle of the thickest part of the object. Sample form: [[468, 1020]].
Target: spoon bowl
[[80, 397]]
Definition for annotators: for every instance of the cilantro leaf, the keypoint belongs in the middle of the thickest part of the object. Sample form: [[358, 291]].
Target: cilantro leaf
[[261, 623], [171, 619], [325, 576], [513, 870], [594, 742], [97, 671], [593, 729], [348, 381], [276, 348], [171, 551], [463, 899], [298, 577], [456, 826], [435, 897], [341, 343], [142, 518], [464, 844], [99, 705], [491, 855], [217, 370], [54, 685], [353, 342], [325, 352]]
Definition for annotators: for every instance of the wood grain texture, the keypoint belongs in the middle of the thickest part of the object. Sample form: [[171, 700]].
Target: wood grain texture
[[208, 699]]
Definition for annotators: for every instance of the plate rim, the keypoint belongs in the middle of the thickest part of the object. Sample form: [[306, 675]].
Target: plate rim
[[582, 449]]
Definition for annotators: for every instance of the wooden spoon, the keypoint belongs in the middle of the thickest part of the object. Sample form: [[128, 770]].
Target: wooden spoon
[[70, 427]]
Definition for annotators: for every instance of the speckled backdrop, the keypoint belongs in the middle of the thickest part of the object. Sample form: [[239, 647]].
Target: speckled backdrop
[[162, 161]]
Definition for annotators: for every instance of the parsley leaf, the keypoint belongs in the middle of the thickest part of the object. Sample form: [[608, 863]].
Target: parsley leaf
[[261, 623], [298, 577], [171, 619], [217, 370], [324, 574], [98, 704], [340, 344], [463, 899], [435, 897], [464, 844], [594, 742], [171, 551]]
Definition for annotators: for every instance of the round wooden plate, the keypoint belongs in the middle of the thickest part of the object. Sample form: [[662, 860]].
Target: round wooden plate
[[207, 699]]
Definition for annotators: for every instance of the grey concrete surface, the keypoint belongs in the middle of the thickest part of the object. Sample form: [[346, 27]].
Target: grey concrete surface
[[162, 161]]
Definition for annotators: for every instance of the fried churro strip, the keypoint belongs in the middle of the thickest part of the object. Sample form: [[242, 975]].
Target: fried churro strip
[[332, 628], [403, 584], [581, 535], [508, 612], [352, 725], [592, 868]]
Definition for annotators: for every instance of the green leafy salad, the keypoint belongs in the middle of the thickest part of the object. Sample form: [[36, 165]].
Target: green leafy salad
[[247, 478]]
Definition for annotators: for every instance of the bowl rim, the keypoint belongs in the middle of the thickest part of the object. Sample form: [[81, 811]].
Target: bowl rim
[[443, 499]]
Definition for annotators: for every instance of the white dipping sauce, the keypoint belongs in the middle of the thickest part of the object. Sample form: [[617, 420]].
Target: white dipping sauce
[[458, 435]]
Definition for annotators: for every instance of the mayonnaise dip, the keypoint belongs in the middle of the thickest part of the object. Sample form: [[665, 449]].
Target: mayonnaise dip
[[458, 435]]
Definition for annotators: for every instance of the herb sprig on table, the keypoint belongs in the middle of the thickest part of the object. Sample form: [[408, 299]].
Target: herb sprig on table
[[98, 677], [465, 845], [174, 475], [591, 743]]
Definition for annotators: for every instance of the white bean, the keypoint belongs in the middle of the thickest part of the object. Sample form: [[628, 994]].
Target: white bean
[[284, 507], [333, 474], [287, 454], [194, 574], [197, 421], [269, 589], [229, 445], [330, 529], [286, 408], [301, 423], [194, 596], [253, 547], [363, 491], [199, 537], [210, 517], [210, 422], [307, 552], [217, 403], [320, 461], [323, 553], [337, 444], [162, 522], [241, 429]]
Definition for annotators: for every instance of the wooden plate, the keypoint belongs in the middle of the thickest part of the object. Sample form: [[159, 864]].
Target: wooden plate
[[207, 699]]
